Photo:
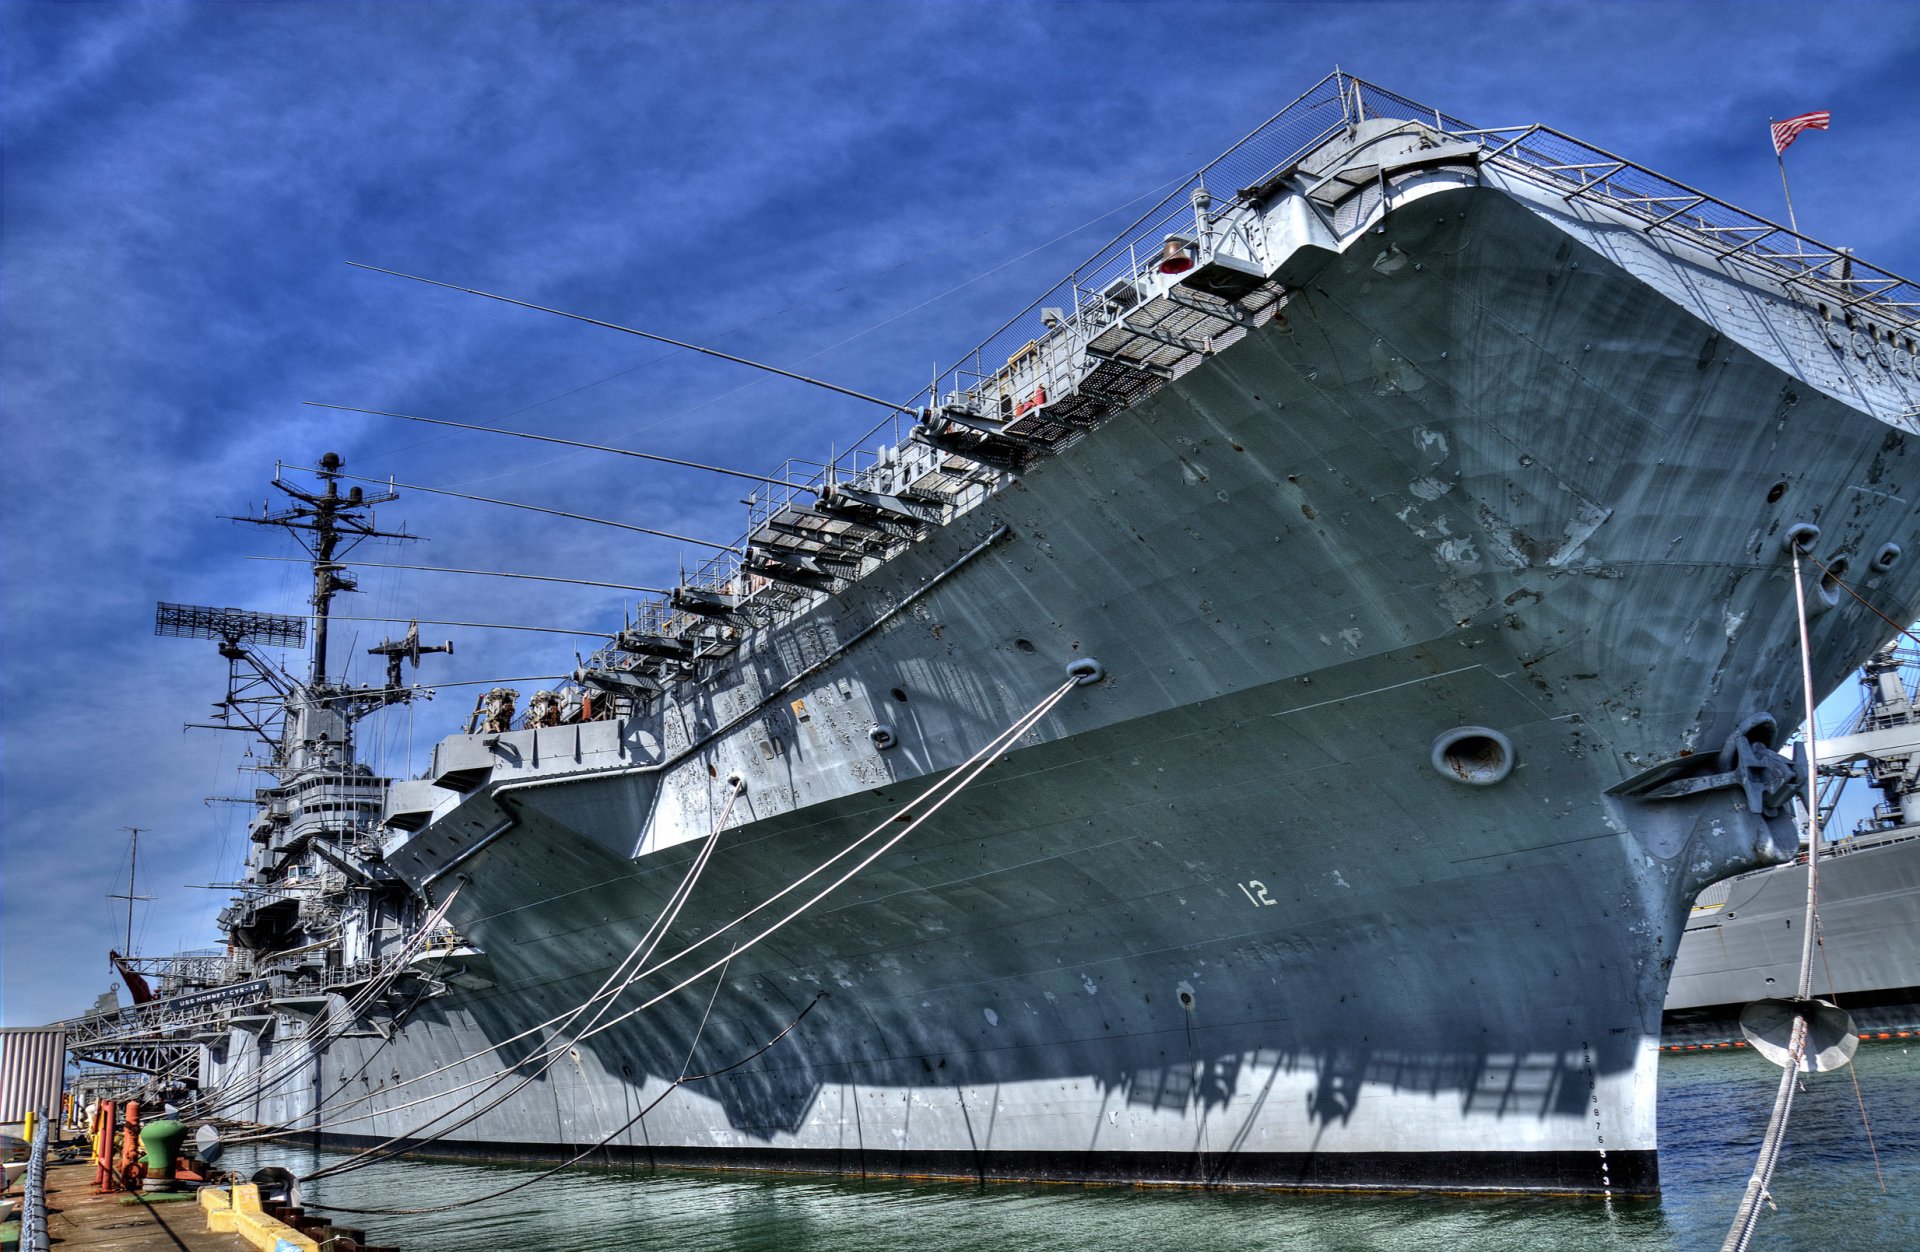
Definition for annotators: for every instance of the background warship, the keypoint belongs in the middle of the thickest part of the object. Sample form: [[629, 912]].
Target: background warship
[[1742, 938], [1370, 579]]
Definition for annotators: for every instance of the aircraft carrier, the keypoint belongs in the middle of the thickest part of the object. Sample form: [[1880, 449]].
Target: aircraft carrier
[[1266, 724]]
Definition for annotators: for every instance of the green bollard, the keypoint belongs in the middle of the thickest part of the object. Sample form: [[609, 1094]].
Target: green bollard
[[160, 1142]]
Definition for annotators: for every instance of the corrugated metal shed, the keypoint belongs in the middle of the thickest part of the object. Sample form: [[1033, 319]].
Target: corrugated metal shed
[[32, 1064]]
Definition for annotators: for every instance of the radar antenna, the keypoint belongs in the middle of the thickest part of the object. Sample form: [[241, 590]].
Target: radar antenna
[[257, 688], [328, 524], [192, 621]]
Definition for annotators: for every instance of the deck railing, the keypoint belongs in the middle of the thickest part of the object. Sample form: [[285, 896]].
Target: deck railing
[[1580, 171], [34, 1234], [1072, 311], [161, 1020], [1304, 124]]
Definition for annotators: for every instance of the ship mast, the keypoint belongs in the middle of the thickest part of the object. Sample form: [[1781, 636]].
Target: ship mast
[[326, 577], [320, 521], [133, 863], [261, 695]]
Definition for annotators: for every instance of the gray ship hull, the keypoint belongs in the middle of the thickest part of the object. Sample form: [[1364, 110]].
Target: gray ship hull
[[1075, 984], [1219, 917], [1743, 943]]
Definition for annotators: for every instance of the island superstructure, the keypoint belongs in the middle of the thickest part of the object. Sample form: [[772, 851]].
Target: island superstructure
[[316, 912], [1380, 566]]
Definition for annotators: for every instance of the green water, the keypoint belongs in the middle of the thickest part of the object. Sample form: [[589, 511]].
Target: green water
[[1712, 1111]]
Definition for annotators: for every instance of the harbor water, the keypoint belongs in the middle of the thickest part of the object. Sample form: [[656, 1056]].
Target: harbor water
[[1713, 1109]]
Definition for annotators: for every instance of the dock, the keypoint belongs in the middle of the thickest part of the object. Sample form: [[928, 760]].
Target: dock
[[77, 1218], [217, 1218]]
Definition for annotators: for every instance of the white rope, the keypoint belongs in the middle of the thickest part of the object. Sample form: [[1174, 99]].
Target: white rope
[[952, 785], [1747, 1218], [954, 782], [291, 1063], [278, 1070], [644, 948], [328, 1112], [584, 1153], [1020, 727]]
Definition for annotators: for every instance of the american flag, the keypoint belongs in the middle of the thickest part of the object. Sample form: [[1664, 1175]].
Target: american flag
[[1784, 133]]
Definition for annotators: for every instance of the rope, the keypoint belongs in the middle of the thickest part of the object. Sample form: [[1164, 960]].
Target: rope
[[655, 931], [256, 1082], [290, 1063], [1747, 1217], [582, 1155], [952, 785], [1852, 1072], [554, 1051], [1012, 733], [278, 1070], [1845, 586], [1740, 1235], [419, 997]]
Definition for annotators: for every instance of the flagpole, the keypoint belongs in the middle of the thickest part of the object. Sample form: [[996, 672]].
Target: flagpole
[[1779, 154]]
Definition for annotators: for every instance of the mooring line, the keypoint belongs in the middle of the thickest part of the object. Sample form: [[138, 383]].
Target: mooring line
[[1747, 1217], [1013, 732], [257, 1082], [952, 785], [553, 1050], [1848, 588], [675, 1085], [1860, 1100], [1853, 1072]]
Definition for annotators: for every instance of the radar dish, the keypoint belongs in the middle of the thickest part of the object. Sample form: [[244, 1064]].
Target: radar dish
[[193, 621]]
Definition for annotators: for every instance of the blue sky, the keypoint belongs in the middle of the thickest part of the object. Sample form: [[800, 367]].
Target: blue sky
[[802, 183]]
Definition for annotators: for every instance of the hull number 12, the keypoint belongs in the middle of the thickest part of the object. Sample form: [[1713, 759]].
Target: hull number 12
[[1256, 892]]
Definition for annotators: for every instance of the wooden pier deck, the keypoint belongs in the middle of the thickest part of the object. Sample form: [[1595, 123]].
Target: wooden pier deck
[[78, 1219]]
